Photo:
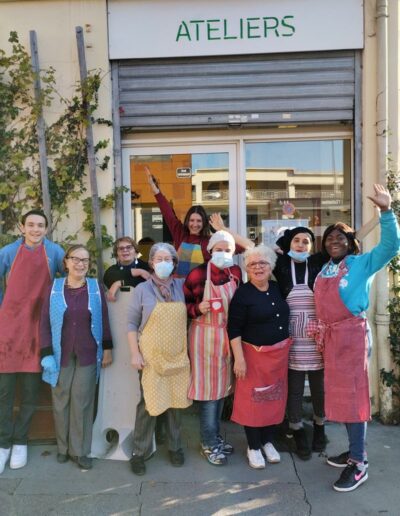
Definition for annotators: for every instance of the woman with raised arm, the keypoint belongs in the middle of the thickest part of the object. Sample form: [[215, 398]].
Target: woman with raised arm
[[341, 298], [192, 236]]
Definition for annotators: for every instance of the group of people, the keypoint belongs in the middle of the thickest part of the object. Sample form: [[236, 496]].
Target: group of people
[[196, 332]]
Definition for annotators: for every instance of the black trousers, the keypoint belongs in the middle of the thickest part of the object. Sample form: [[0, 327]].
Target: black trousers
[[16, 432], [296, 381]]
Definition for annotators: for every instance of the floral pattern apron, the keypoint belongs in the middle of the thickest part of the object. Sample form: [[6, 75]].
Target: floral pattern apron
[[345, 348], [27, 285], [209, 349]]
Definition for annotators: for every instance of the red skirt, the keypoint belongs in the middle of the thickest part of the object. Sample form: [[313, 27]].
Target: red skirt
[[260, 398]]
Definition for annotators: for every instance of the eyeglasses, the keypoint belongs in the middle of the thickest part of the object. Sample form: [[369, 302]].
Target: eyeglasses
[[254, 265], [125, 248], [76, 260]]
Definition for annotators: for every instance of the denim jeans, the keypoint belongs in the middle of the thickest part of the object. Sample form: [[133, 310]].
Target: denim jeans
[[357, 433], [16, 432], [210, 416]]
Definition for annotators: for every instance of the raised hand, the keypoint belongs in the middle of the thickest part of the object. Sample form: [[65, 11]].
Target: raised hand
[[151, 180], [216, 221], [381, 198]]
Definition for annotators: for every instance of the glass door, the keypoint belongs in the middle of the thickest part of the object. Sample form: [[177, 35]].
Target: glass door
[[187, 175]]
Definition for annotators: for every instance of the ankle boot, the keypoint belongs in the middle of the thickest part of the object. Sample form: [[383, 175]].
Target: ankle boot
[[303, 450], [319, 438]]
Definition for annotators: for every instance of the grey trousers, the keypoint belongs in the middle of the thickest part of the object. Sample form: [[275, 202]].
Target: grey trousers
[[145, 427], [16, 432], [73, 406]]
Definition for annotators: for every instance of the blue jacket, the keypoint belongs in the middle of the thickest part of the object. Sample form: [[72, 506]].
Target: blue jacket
[[54, 253], [52, 364]]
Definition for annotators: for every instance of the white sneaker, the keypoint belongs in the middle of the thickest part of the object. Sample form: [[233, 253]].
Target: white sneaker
[[256, 459], [270, 452], [4, 456], [19, 456]]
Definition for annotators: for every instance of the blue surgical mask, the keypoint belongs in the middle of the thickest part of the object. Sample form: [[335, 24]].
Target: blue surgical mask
[[221, 259], [299, 257], [163, 269]]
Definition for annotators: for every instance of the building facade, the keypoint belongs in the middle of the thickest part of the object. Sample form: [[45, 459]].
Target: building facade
[[273, 113]]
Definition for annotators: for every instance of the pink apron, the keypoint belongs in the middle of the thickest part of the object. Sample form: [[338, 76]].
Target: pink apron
[[209, 350], [260, 398], [27, 285], [345, 351], [303, 355]]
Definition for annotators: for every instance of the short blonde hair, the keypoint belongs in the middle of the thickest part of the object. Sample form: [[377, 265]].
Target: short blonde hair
[[262, 250]]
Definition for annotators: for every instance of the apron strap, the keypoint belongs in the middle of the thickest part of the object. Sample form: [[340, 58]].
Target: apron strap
[[292, 266]]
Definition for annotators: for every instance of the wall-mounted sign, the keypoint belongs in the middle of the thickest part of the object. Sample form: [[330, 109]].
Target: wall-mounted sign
[[183, 172], [157, 28]]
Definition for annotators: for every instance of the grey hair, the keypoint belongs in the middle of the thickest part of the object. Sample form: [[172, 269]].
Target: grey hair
[[163, 246], [262, 250]]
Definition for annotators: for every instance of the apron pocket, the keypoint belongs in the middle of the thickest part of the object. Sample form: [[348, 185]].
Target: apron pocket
[[269, 392]]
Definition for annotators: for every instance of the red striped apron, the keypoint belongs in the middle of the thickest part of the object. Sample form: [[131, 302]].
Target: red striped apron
[[209, 349], [303, 355]]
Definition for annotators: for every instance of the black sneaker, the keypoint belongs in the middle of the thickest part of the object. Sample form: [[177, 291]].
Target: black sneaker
[[350, 478], [319, 438], [137, 465], [303, 450], [341, 461], [226, 448], [176, 458]]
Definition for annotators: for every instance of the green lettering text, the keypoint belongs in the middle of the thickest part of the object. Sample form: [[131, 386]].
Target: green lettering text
[[226, 31], [211, 29], [183, 32], [291, 27], [197, 25], [270, 23], [251, 28]]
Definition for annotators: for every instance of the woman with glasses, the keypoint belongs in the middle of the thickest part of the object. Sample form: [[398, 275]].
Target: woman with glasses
[[76, 343], [157, 337], [192, 236], [208, 291], [258, 328], [129, 270]]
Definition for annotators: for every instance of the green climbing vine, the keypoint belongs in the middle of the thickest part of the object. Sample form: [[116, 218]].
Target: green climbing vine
[[392, 378], [20, 183]]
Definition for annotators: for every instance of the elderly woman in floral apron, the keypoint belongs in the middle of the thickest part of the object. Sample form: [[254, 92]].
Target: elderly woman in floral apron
[[208, 291], [192, 236], [295, 272], [157, 323], [342, 330], [258, 328]]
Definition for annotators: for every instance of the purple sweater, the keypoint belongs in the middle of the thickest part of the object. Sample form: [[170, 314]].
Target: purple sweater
[[76, 336]]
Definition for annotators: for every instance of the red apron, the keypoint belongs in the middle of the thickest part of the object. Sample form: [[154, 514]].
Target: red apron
[[27, 285], [260, 398], [209, 350], [345, 350]]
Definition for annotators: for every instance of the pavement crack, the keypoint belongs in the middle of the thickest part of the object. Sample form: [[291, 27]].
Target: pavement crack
[[307, 501]]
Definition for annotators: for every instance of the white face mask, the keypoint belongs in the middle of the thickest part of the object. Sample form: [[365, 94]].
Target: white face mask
[[163, 269], [221, 259]]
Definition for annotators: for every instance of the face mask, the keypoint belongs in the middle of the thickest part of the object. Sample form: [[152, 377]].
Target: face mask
[[300, 257], [163, 269], [221, 259]]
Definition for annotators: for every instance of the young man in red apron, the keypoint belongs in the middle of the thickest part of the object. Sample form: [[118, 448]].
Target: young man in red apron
[[342, 331], [28, 265]]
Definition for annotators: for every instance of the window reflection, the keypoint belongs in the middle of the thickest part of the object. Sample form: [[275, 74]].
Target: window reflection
[[296, 183]]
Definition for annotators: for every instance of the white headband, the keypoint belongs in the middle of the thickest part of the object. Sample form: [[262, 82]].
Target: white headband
[[221, 236]]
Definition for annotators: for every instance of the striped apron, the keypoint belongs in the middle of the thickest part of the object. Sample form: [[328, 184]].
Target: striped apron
[[303, 354], [209, 350]]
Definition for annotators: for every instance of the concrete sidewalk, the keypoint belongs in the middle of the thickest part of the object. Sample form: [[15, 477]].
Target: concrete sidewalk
[[292, 487]]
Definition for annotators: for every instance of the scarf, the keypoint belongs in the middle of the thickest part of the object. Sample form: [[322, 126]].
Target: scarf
[[164, 286]]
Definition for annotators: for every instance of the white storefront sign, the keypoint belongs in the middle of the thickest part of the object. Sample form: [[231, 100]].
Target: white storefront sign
[[174, 28]]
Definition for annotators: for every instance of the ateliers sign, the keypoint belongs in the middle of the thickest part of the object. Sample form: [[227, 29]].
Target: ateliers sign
[[177, 28]]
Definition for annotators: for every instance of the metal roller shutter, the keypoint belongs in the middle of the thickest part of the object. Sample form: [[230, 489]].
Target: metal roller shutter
[[250, 90]]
